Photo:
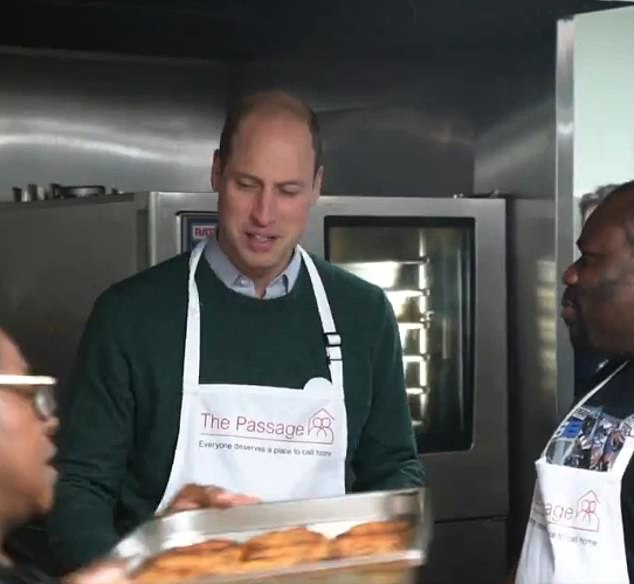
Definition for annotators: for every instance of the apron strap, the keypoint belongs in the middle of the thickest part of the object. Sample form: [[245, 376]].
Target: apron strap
[[191, 362], [597, 388], [623, 459], [332, 340]]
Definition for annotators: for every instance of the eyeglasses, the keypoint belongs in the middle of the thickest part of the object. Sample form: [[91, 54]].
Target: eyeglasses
[[39, 387]]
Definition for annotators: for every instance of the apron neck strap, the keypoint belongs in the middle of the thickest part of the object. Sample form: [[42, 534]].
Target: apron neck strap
[[332, 339], [191, 362], [599, 386]]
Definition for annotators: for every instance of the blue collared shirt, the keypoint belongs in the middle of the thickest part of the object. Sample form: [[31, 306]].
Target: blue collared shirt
[[232, 278]]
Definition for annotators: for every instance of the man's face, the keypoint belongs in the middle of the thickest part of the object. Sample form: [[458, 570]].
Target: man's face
[[27, 479], [265, 191], [598, 303]]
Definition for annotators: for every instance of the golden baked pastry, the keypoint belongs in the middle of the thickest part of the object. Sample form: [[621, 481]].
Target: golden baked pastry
[[282, 549], [211, 545], [191, 562], [286, 537], [348, 545], [303, 552], [199, 558], [379, 528], [266, 564]]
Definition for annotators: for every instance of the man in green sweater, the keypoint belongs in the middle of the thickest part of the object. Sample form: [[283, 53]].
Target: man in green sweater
[[247, 365]]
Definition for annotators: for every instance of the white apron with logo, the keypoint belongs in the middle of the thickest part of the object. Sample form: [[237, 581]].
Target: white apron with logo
[[575, 530], [274, 443]]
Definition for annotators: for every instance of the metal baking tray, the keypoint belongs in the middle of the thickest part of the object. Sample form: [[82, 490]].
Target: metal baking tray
[[330, 516]]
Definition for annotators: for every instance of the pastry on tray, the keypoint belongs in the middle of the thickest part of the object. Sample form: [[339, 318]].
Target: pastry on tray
[[379, 528], [273, 550], [346, 545], [190, 562], [367, 539], [286, 537]]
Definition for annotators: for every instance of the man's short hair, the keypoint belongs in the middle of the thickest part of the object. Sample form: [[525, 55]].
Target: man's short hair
[[623, 195], [590, 200], [625, 189], [274, 102]]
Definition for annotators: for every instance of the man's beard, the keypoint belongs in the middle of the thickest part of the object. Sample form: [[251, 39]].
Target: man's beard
[[579, 334]]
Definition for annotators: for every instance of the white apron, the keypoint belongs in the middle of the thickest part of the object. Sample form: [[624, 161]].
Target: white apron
[[575, 530], [274, 443]]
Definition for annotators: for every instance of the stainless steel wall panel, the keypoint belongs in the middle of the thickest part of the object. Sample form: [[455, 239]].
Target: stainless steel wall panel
[[389, 128], [130, 124], [516, 154], [566, 212], [152, 124]]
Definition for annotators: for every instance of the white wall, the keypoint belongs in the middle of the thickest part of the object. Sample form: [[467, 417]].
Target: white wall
[[603, 99]]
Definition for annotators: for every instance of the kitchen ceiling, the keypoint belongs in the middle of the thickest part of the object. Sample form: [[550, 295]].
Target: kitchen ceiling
[[246, 29]]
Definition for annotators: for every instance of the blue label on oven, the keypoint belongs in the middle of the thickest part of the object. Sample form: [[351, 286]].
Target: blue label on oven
[[195, 227]]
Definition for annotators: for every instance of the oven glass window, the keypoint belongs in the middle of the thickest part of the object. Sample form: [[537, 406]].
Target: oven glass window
[[425, 267]]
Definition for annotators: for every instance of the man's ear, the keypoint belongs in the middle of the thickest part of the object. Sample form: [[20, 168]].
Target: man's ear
[[319, 175], [216, 171]]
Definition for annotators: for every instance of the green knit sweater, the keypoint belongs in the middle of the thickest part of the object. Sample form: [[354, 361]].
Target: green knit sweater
[[119, 432]]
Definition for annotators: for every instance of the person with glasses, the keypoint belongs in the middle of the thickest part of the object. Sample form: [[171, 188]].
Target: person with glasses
[[27, 475]]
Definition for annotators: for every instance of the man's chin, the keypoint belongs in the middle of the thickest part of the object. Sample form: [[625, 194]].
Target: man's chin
[[47, 495], [578, 338], [582, 343]]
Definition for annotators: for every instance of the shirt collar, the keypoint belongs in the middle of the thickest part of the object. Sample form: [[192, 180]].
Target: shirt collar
[[230, 276]]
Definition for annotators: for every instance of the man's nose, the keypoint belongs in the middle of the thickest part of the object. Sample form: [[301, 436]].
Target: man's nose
[[263, 212]]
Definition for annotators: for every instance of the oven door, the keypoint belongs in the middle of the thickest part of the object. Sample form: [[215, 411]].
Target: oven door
[[441, 263]]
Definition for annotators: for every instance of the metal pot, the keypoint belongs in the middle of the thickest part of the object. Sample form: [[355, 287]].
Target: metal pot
[[77, 192]]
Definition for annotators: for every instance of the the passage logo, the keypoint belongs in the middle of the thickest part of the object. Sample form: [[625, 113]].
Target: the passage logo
[[583, 515], [319, 428]]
